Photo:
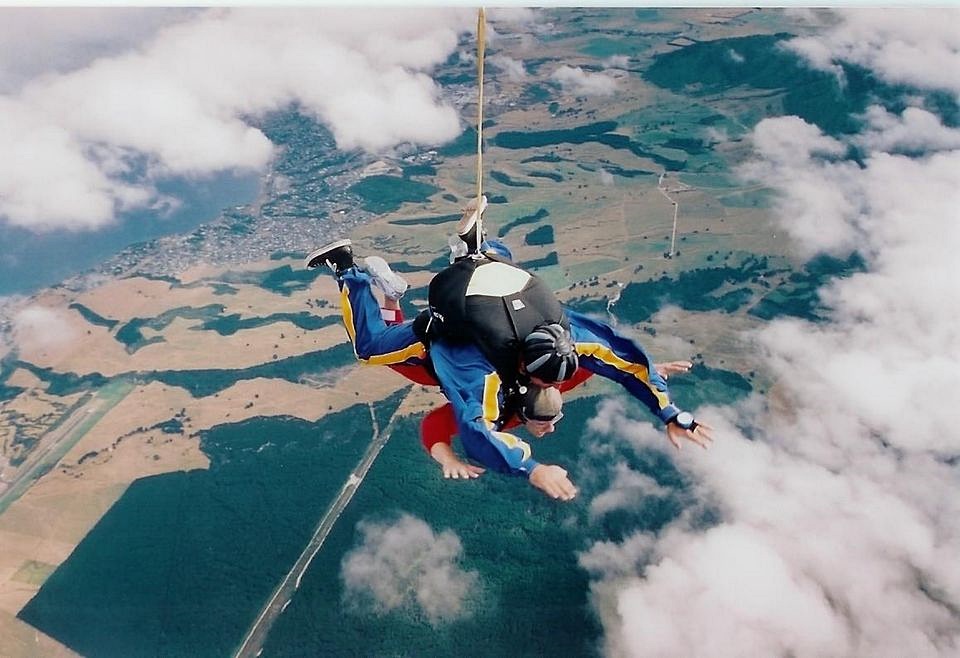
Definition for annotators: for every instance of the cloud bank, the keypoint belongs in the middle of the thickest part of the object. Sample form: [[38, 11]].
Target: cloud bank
[[915, 47], [837, 494], [82, 144], [404, 565], [61, 39]]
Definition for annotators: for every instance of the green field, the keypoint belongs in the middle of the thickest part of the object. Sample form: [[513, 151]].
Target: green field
[[385, 194], [108, 395], [33, 573], [191, 556]]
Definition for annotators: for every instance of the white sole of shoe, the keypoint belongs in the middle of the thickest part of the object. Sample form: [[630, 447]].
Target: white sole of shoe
[[468, 221], [392, 284], [324, 249]]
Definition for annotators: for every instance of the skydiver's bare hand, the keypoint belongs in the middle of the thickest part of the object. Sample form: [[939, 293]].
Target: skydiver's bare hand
[[452, 466], [672, 368], [702, 435], [458, 469], [553, 481]]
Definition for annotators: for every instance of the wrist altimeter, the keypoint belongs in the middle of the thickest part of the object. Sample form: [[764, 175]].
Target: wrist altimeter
[[684, 420]]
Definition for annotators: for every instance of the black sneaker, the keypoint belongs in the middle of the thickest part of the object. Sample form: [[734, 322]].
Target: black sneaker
[[338, 256]]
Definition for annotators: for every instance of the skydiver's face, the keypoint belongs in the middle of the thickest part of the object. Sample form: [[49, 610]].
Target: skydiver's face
[[540, 428]]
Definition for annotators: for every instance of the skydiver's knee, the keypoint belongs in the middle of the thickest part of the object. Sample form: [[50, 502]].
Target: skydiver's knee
[[364, 350]]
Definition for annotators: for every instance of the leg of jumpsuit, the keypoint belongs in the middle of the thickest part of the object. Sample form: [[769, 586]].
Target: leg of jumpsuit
[[374, 342]]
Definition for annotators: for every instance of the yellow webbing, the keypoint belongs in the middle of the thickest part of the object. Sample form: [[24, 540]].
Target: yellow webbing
[[481, 45]]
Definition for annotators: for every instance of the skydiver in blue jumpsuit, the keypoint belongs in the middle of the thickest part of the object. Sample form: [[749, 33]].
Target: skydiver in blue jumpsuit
[[475, 388]]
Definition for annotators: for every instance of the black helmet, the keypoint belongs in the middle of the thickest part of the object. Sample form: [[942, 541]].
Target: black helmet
[[549, 354]]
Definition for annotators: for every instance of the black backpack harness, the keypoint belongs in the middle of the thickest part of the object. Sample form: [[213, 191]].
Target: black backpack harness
[[488, 300]]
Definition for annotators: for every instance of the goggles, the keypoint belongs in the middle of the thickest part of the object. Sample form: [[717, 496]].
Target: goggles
[[540, 419]]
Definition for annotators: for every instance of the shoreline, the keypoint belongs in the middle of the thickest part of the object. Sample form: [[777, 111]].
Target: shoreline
[[204, 203]]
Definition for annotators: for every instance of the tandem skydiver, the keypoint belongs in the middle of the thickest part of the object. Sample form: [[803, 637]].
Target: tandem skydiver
[[520, 337], [479, 410]]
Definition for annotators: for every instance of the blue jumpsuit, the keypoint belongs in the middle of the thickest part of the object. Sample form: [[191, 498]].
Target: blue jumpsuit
[[471, 383]]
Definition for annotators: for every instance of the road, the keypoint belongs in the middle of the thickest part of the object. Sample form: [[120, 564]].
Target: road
[[253, 642], [53, 445], [58, 441]]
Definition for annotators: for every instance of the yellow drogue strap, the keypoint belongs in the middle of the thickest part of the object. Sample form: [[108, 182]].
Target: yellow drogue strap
[[481, 46]]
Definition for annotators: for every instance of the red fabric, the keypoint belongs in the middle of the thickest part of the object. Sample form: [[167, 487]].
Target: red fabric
[[416, 374], [580, 376], [439, 425], [397, 315]]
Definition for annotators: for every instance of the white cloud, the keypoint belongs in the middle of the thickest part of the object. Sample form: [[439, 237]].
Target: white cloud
[[41, 327], [716, 135], [179, 105], [815, 194], [405, 565], [38, 40], [610, 561], [512, 68], [8, 305], [755, 604], [523, 23], [628, 489], [574, 80], [914, 130], [516, 16], [903, 46], [46, 180], [819, 56], [810, 559], [839, 519], [735, 57], [616, 62]]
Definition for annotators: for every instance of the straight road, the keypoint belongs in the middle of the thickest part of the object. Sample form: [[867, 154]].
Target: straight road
[[58, 441], [253, 642]]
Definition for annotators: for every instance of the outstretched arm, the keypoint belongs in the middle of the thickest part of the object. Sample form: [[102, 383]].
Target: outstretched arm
[[475, 393], [672, 368], [452, 466], [606, 353], [553, 481], [436, 435], [614, 356], [701, 434]]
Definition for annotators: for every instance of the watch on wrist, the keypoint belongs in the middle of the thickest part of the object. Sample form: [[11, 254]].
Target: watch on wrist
[[685, 420]]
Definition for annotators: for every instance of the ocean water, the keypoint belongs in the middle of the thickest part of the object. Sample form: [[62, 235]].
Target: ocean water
[[30, 261]]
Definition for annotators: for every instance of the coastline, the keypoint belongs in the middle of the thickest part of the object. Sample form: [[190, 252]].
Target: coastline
[[47, 260]]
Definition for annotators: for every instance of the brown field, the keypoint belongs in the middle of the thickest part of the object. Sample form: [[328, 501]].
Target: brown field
[[23, 641]]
